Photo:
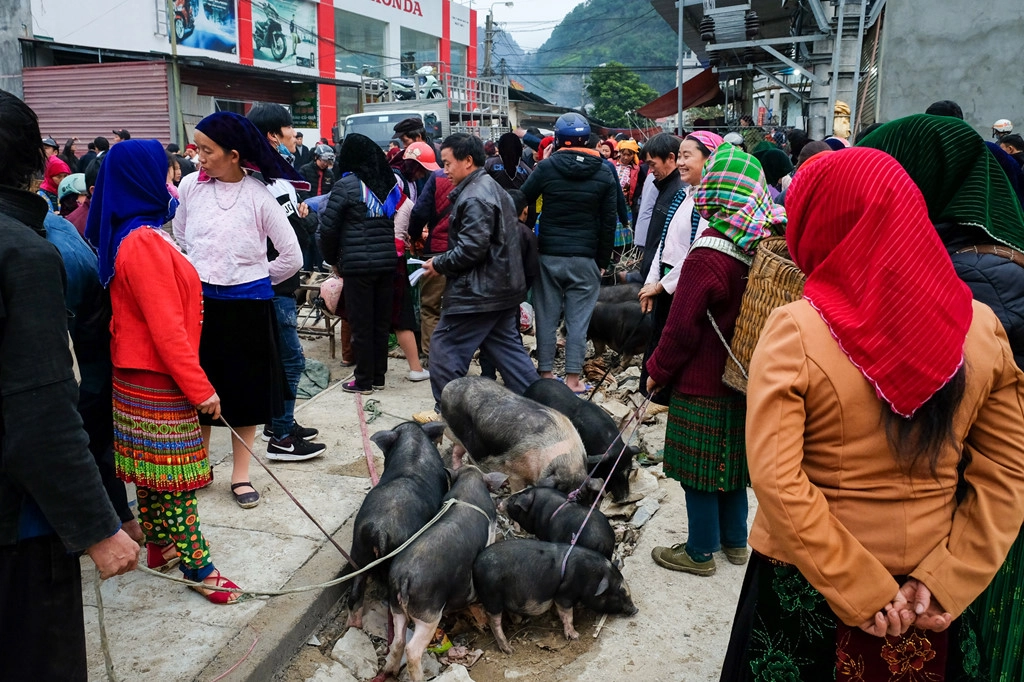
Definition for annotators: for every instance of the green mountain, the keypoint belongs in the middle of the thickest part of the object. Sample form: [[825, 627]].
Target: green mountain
[[596, 32]]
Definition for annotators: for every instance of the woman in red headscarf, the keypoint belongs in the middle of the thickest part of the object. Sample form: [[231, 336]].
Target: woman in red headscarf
[[864, 399], [56, 170]]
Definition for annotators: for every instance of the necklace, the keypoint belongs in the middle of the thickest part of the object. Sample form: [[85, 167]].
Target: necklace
[[216, 198]]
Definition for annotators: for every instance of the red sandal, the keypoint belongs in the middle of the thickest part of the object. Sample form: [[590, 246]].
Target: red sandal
[[217, 596], [161, 557]]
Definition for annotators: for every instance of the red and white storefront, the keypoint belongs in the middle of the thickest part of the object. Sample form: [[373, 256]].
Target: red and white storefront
[[100, 65]]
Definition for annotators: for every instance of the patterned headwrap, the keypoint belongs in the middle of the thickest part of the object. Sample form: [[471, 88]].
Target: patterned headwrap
[[960, 179], [733, 199], [710, 140], [878, 274]]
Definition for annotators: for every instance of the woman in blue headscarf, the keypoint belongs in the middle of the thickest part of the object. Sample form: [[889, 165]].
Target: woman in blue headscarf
[[157, 305], [224, 222]]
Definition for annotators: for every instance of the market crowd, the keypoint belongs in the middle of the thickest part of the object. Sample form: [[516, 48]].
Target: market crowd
[[882, 430]]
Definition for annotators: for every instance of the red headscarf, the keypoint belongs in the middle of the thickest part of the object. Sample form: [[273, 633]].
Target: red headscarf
[[54, 166], [878, 274]]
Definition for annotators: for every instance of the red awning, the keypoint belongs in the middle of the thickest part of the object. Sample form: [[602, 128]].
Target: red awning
[[698, 90]]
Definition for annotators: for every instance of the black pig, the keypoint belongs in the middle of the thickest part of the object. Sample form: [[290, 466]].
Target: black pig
[[546, 513], [435, 573], [406, 497], [525, 576]]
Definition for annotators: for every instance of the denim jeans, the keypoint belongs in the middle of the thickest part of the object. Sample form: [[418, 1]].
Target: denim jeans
[[292, 359], [570, 284], [715, 519]]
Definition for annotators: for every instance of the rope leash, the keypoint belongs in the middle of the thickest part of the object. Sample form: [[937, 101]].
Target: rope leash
[[638, 415], [367, 449], [330, 583], [289, 494]]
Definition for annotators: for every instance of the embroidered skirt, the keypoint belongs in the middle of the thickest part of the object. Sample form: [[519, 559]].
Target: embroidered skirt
[[157, 440], [785, 630], [999, 614], [705, 442]]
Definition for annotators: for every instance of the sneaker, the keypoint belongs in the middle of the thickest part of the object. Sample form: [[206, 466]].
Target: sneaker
[[293, 449], [736, 555], [303, 432], [421, 375], [378, 387], [350, 387], [346, 363], [426, 416], [677, 558]]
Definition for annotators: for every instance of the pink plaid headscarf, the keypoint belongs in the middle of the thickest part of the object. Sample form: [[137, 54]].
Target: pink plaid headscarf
[[708, 139]]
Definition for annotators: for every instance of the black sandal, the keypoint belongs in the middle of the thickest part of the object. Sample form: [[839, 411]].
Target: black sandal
[[245, 500]]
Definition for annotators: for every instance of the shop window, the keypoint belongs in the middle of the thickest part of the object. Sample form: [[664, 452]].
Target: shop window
[[418, 49], [459, 59], [360, 43], [348, 101]]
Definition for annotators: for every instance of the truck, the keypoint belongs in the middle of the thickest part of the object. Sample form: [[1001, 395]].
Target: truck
[[447, 104]]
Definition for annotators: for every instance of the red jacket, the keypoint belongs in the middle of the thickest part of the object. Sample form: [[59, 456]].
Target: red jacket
[[157, 302]]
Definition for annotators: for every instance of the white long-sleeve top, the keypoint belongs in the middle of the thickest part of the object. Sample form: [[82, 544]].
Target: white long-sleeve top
[[223, 228], [676, 245], [645, 210]]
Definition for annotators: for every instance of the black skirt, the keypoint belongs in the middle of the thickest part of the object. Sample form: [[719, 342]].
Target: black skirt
[[239, 353]]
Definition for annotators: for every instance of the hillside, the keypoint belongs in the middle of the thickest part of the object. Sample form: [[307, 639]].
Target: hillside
[[596, 32]]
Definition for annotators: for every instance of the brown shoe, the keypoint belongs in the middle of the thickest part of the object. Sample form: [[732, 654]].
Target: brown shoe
[[676, 559], [736, 555]]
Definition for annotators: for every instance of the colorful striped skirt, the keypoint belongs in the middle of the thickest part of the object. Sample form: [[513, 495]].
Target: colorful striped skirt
[[705, 442], [157, 440], [785, 630]]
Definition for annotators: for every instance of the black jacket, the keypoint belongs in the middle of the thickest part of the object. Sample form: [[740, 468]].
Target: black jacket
[[303, 155], [44, 452], [666, 188], [484, 260], [350, 239], [580, 202], [993, 280], [318, 184]]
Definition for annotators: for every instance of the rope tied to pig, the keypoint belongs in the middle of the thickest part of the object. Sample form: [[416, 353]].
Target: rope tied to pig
[[636, 417]]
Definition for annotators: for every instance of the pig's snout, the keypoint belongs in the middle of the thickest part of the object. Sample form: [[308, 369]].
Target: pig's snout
[[630, 609]]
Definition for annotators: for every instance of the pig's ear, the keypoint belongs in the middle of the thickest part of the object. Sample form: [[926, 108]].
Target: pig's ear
[[633, 450], [594, 485], [385, 440], [495, 480], [602, 586], [434, 430], [547, 482]]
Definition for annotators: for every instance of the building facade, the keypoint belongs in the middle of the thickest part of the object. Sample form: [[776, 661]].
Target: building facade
[[156, 67]]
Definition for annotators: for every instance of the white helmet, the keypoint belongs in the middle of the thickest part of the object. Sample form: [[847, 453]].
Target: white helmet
[[1002, 127]]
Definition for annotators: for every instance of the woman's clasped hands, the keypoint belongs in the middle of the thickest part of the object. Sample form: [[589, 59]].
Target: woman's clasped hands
[[913, 605]]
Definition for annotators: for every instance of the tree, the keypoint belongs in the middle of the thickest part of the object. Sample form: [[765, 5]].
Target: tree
[[615, 90]]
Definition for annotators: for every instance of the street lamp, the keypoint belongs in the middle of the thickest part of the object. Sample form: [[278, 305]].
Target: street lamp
[[489, 36]]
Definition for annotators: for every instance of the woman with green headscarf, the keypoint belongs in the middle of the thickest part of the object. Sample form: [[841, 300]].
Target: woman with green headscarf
[[705, 446], [979, 219]]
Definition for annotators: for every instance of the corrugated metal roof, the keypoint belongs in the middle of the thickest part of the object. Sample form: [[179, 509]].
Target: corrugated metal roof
[[90, 100]]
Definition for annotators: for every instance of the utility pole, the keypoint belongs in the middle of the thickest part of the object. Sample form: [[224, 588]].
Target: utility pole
[[179, 125], [679, 88], [488, 42]]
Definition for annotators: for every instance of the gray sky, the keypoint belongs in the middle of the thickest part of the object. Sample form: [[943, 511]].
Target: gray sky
[[529, 21]]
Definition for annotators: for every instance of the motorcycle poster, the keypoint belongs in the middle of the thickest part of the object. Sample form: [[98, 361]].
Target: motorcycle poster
[[206, 25], [284, 32]]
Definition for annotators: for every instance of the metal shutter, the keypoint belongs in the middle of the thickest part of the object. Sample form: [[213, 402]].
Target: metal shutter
[[90, 100]]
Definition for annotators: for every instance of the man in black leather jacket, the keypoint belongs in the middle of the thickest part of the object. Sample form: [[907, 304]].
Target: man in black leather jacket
[[484, 268]]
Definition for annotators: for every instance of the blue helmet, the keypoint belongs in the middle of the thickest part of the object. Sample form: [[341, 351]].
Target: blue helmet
[[572, 130]]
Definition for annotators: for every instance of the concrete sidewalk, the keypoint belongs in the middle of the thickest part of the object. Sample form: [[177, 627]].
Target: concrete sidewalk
[[163, 631]]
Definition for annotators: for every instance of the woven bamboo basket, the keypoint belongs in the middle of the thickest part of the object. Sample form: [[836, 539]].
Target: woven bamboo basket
[[774, 280]]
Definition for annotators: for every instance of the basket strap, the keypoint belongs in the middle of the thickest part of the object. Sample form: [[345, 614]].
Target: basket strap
[[728, 348], [723, 246]]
